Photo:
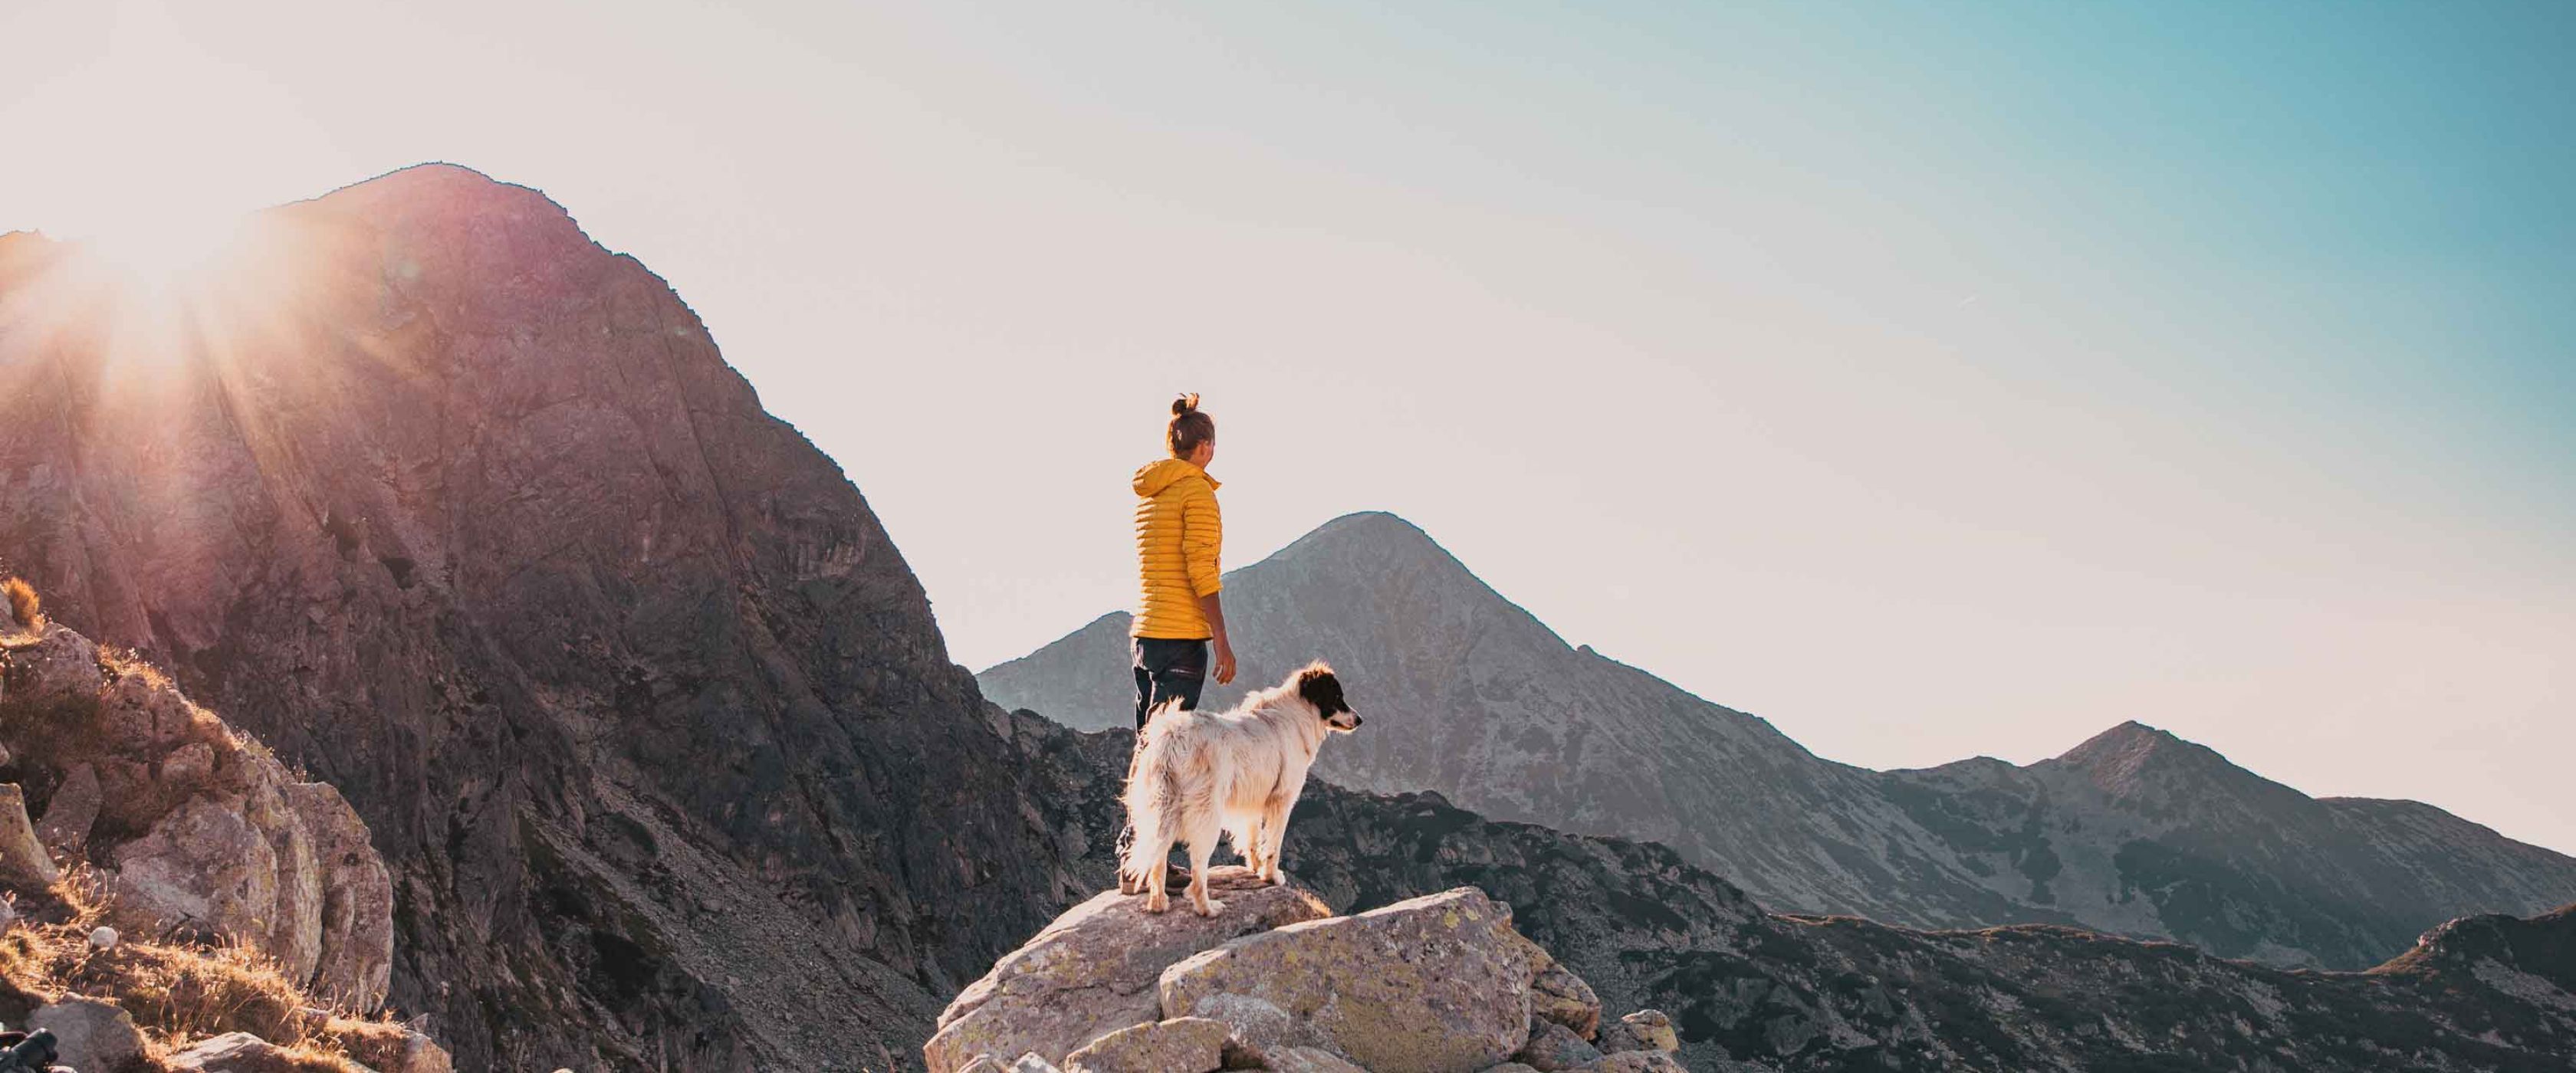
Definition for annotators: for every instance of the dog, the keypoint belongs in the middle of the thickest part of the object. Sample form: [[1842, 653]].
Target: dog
[[1197, 774]]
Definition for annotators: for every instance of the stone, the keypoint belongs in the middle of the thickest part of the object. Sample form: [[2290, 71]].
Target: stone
[[355, 964], [1636, 1062], [982, 1063], [204, 866], [1511, 1067], [1434, 984], [1180, 1045], [65, 828], [92, 1035], [235, 1052], [1557, 994], [102, 937], [24, 864], [1095, 970], [1032, 1063], [1644, 1030], [1311, 1060], [1554, 1048]]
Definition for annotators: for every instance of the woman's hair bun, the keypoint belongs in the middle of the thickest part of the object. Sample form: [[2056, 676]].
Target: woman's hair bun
[[1187, 403]]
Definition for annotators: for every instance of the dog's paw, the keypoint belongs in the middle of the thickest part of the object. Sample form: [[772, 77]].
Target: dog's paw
[[1213, 908], [1157, 904]]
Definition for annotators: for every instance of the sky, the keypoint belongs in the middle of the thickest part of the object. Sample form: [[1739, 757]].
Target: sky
[[1931, 380]]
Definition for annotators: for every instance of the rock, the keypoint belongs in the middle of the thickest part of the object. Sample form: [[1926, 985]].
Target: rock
[[1511, 1067], [204, 866], [1432, 984], [389, 1048], [1180, 1045], [65, 828], [1095, 969], [102, 937], [92, 1035], [1557, 994], [1310, 1060], [24, 864], [236, 1052], [1031, 1063], [982, 1063], [357, 934], [1636, 1062], [1554, 1048], [1644, 1030]]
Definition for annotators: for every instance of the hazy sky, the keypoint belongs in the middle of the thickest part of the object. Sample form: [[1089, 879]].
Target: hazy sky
[[1930, 380]]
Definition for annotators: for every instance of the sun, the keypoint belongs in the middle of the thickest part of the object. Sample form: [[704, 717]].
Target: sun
[[160, 251]]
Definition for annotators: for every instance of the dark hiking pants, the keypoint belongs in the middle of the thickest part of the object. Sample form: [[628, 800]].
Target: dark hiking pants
[[1166, 669]]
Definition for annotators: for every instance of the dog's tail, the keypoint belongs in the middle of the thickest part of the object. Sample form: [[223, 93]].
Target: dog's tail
[[1153, 794]]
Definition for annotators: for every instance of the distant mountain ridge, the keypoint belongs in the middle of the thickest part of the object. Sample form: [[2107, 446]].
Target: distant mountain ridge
[[2134, 832]]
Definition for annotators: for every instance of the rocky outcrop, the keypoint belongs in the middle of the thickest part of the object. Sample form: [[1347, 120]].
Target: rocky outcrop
[[2134, 833], [1438, 984], [622, 674], [192, 828], [1094, 970]]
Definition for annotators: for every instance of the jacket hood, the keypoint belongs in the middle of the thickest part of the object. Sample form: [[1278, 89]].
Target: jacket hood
[[1153, 477]]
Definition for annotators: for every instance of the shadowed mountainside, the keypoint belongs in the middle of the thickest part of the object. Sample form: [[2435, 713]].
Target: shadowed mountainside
[[2134, 832], [466, 515]]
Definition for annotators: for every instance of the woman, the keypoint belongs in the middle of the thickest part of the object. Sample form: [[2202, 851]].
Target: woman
[[1178, 532], [1178, 612]]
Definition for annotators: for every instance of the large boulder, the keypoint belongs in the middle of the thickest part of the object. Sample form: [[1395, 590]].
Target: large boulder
[[1095, 970], [1437, 984]]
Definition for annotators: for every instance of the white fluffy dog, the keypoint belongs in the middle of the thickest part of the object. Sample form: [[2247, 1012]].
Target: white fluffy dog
[[1239, 772]]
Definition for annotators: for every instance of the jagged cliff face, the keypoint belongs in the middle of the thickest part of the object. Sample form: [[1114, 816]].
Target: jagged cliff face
[[2136, 832], [1790, 993], [467, 516]]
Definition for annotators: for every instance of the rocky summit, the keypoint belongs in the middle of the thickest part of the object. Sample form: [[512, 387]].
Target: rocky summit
[[2135, 833], [1436, 984], [465, 515]]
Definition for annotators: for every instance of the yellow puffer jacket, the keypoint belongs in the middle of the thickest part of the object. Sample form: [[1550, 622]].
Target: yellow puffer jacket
[[1177, 536]]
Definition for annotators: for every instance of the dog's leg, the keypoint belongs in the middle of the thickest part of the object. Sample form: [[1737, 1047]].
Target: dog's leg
[[1254, 843], [1202, 847], [1156, 899], [1274, 832]]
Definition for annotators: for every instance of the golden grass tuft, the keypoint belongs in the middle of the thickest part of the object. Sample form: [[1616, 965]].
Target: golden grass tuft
[[24, 607], [177, 992]]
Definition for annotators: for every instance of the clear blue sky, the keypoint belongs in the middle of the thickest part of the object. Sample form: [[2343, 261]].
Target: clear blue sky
[[1932, 380]]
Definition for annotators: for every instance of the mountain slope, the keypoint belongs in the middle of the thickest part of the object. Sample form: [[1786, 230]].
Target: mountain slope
[[2135, 832], [1811, 995], [467, 515]]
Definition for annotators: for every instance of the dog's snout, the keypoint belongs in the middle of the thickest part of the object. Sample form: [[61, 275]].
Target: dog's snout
[[1356, 720]]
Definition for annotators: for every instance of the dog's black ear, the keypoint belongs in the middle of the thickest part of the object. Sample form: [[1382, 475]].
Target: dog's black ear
[[1318, 686]]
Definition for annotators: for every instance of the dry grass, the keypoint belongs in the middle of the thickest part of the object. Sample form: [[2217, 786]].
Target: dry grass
[[177, 992], [24, 607]]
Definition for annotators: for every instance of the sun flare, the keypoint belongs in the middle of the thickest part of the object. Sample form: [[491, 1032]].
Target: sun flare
[[158, 251]]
